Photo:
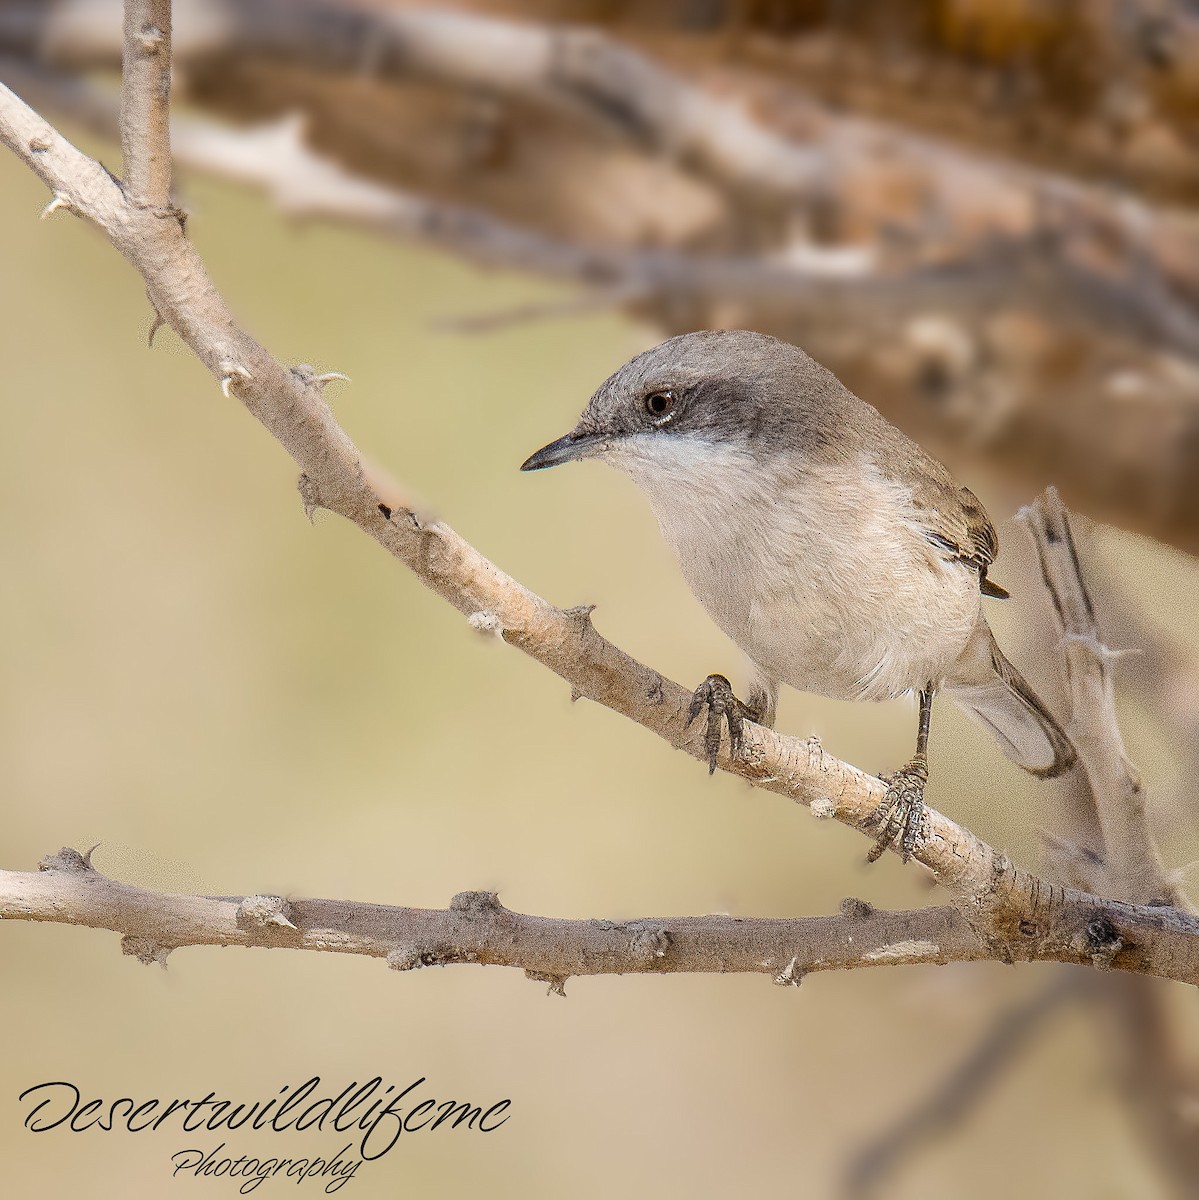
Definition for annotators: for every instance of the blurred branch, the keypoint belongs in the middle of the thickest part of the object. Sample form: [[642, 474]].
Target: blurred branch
[[276, 158], [602, 82], [1041, 325], [951, 1099], [1161, 672], [1019, 215], [596, 77], [1018, 915]]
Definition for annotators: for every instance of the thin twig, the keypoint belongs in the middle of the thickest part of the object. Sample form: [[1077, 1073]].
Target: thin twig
[[146, 103]]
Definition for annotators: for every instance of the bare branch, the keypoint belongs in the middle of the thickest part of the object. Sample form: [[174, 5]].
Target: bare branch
[[477, 928], [146, 103], [1132, 867], [1151, 1069], [1145, 1056]]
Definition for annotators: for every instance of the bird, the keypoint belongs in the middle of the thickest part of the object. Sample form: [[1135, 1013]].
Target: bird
[[839, 556]]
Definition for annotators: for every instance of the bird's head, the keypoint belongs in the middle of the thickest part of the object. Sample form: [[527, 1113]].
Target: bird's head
[[677, 409]]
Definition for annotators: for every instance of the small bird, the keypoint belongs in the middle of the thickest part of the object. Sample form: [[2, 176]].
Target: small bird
[[836, 553]]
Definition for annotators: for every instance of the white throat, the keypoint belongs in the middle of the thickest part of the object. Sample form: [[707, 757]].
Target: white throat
[[690, 479]]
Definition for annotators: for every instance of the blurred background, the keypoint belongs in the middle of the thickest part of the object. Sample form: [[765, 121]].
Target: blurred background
[[982, 215]]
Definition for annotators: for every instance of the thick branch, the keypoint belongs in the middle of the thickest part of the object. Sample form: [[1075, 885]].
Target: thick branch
[[476, 928]]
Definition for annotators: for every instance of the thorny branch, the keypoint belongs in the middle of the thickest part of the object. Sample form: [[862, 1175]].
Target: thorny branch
[[1009, 913], [1131, 868], [477, 928]]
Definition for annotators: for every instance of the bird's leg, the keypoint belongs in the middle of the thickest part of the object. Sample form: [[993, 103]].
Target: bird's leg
[[902, 810], [716, 694]]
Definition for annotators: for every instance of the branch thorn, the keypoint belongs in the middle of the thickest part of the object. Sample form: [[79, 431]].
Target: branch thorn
[[405, 958], [311, 498], [1105, 654], [476, 904], [330, 376], [145, 950], [150, 39], [68, 859], [557, 983], [650, 944], [580, 615], [790, 975], [486, 622], [823, 807], [263, 911], [59, 201], [233, 373]]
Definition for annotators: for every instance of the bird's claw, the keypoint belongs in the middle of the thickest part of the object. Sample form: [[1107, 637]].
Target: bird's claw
[[901, 813], [716, 694]]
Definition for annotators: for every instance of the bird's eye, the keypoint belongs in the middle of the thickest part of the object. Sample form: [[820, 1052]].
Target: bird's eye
[[659, 404]]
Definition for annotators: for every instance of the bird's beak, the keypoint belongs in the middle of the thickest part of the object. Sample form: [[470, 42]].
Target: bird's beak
[[566, 449]]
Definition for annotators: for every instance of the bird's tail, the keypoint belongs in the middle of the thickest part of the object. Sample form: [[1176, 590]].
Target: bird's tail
[[1013, 712]]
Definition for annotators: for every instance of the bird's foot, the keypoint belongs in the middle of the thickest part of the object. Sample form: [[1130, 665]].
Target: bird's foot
[[901, 813], [716, 694]]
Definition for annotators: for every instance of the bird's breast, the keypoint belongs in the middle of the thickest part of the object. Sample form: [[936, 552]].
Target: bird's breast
[[823, 576]]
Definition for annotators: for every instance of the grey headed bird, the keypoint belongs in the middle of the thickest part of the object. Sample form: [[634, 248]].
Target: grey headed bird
[[839, 556]]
